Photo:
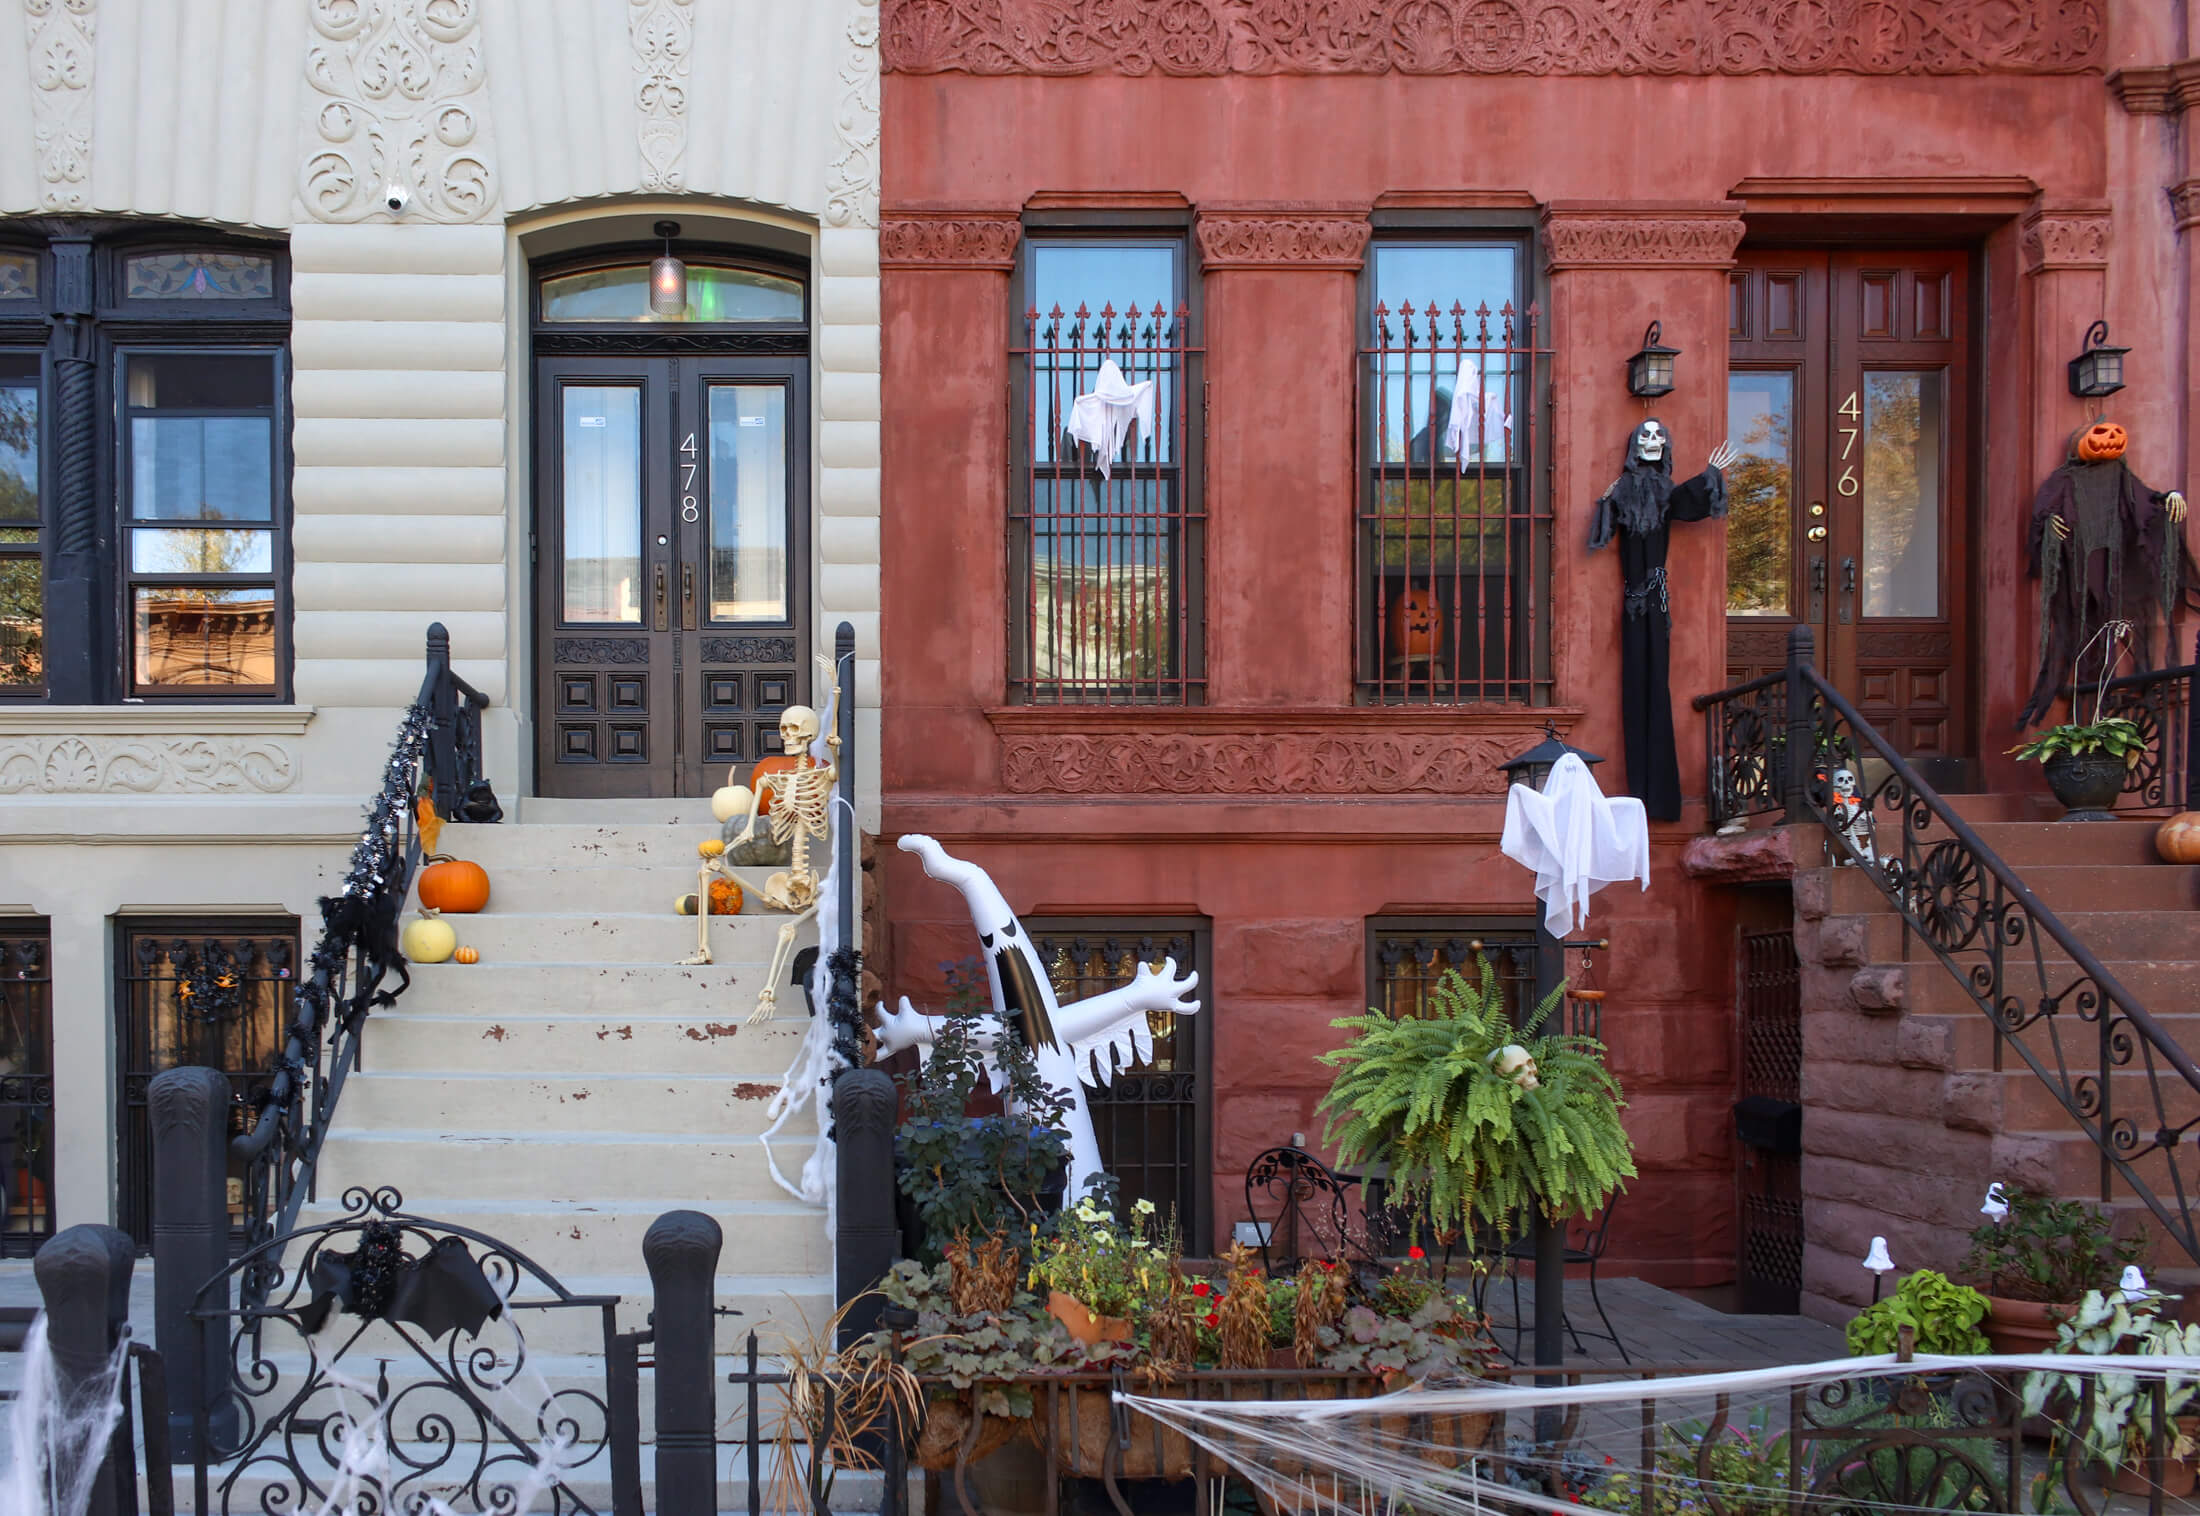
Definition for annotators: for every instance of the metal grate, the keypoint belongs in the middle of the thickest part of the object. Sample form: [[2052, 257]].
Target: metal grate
[[1106, 571], [1152, 1121], [1454, 541], [1770, 1184], [1408, 963], [26, 1086], [1772, 1016], [206, 992]]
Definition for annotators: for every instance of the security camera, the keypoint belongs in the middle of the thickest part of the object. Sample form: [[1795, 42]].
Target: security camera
[[396, 197]]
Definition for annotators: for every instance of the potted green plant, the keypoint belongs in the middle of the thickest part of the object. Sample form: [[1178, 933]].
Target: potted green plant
[[1943, 1317], [2036, 1261], [1477, 1118], [2086, 761], [2111, 1426]]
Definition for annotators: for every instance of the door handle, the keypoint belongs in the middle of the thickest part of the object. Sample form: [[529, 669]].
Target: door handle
[[1817, 576], [1848, 576], [687, 597], [1816, 534], [660, 616]]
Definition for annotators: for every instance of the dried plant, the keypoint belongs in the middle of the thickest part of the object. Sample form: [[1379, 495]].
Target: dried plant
[[834, 1405], [984, 1276], [1320, 1304], [1244, 1323], [1172, 1338]]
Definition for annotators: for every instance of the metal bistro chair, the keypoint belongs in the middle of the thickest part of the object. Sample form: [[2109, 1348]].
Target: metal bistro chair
[[1590, 1252], [1306, 1205]]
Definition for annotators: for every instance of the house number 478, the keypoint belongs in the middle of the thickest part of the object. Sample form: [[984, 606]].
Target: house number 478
[[688, 510]]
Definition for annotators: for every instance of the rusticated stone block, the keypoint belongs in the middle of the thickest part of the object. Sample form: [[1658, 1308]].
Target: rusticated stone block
[[1750, 858], [1310, 958], [1883, 987], [1924, 1043], [1972, 1103], [1840, 943], [1813, 889], [2026, 1162]]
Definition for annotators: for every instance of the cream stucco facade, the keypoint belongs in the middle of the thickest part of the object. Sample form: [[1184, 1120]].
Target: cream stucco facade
[[518, 128]]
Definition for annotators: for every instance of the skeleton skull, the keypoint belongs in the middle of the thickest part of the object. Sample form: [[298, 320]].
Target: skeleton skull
[[1512, 1061], [798, 728], [1650, 440]]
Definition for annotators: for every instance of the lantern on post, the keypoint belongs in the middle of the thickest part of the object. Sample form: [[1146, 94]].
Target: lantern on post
[[2099, 370], [1534, 766], [668, 276], [1650, 371]]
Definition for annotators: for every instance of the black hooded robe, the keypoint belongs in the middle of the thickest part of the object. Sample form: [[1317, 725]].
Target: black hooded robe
[[1638, 510]]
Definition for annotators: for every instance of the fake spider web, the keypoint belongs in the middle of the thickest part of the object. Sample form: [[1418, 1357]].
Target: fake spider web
[[1861, 1435]]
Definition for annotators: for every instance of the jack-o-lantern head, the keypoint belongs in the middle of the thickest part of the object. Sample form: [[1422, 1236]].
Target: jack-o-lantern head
[[2102, 442]]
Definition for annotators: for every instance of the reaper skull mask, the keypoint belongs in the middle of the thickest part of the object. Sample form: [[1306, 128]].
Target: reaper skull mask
[[798, 728], [1650, 441]]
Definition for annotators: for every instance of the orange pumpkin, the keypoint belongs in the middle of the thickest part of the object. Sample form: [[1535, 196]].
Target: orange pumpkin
[[466, 955], [2102, 442], [453, 885], [2178, 839], [725, 897], [778, 763], [1416, 627]]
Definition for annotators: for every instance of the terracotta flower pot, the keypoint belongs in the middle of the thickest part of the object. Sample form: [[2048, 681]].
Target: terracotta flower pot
[[1083, 1325], [2023, 1326]]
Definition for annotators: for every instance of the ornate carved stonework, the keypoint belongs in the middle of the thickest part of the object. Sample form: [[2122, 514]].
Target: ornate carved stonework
[[1653, 237], [1270, 239], [2076, 237], [61, 56], [1254, 763], [748, 649], [662, 32], [851, 185], [2184, 201], [583, 651], [403, 81], [949, 239], [1208, 37], [145, 765]]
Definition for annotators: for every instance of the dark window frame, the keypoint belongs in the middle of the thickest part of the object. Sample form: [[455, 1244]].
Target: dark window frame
[[1527, 478], [1198, 1228], [1126, 227], [1512, 933], [571, 337], [39, 548], [26, 960]]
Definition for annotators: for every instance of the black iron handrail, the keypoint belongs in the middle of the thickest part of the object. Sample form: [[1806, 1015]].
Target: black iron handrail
[[2164, 704], [438, 742], [1959, 898]]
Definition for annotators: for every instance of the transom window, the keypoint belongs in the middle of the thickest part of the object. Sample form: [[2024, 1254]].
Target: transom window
[[1454, 525], [714, 294], [1406, 956]]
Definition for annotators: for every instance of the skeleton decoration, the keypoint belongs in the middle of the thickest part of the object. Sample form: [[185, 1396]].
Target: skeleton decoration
[[1077, 1044], [1852, 816]]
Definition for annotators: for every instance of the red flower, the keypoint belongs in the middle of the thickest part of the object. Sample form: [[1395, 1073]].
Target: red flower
[[1416, 1252], [1213, 1319], [1203, 1289]]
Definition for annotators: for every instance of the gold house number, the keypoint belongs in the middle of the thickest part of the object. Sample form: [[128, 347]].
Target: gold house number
[[1847, 484], [688, 511]]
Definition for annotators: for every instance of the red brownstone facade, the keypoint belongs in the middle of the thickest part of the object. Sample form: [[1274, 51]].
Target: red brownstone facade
[[1648, 150]]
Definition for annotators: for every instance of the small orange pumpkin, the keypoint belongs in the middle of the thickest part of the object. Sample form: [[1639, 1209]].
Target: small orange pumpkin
[[2102, 442], [466, 955], [2178, 839], [453, 885], [725, 897]]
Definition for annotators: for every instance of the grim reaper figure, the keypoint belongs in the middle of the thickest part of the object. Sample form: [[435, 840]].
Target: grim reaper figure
[[1637, 512]]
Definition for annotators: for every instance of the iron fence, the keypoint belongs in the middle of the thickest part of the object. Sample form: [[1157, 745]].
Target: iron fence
[[1107, 554], [2161, 703], [1453, 546]]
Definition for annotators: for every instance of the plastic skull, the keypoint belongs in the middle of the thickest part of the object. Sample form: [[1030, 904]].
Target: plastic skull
[[1512, 1061], [798, 728], [1650, 440]]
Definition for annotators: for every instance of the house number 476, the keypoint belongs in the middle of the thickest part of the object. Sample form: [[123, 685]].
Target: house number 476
[[1847, 483]]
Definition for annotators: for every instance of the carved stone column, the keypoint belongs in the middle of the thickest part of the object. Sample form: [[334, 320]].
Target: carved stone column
[[1615, 268], [1280, 327], [2064, 246]]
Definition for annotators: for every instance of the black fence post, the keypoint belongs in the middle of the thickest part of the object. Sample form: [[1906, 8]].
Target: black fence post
[[84, 1277], [190, 1111], [2190, 791], [681, 1249], [844, 824], [869, 1238], [443, 724], [1801, 749]]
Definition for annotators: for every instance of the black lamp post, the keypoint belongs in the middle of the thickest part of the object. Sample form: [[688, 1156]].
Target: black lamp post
[[1650, 371], [2099, 370]]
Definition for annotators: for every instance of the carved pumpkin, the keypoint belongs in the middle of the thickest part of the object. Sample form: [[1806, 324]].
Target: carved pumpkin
[[453, 885], [429, 939], [1416, 627], [2102, 442], [2178, 839], [725, 897], [466, 955]]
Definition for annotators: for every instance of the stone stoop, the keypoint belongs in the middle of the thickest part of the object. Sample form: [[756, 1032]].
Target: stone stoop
[[579, 1081], [1907, 1117]]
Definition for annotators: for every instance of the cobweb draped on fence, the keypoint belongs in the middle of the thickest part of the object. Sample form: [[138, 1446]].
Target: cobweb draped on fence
[[1846, 1435]]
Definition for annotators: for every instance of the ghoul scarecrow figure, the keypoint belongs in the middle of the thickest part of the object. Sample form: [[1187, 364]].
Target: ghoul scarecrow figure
[[1636, 512], [2104, 547]]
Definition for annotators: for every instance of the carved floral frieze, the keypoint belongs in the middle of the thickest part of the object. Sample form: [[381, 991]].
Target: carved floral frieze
[[73, 765], [1282, 239], [661, 33], [403, 86], [60, 47], [2064, 239], [1210, 37], [949, 240], [1677, 238], [851, 187]]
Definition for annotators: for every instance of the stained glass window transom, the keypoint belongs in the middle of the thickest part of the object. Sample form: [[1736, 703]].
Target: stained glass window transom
[[198, 276]]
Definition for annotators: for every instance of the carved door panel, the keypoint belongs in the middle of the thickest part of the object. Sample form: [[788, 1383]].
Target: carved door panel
[[671, 571], [1848, 397]]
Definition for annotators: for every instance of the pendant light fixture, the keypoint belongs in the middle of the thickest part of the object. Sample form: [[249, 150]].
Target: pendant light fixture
[[668, 276]]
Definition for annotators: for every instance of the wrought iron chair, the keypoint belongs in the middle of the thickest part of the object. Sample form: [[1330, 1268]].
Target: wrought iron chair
[[1590, 1251], [1305, 1205]]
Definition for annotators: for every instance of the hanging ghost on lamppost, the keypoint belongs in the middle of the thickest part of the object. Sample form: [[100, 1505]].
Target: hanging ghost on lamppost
[[1077, 1044]]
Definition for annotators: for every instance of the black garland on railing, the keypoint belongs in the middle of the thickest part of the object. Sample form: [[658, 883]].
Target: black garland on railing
[[2127, 1084]]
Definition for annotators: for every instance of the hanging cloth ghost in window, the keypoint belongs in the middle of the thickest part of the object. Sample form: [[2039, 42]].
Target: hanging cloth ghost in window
[[1575, 840], [1102, 419], [1476, 415]]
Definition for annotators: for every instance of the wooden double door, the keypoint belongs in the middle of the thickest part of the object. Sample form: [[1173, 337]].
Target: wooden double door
[[1849, 401], [671, 568]]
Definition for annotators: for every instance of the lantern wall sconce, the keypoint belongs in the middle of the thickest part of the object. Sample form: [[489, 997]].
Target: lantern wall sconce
[[2099, 370], [1534, 766], [668, 276], [1650, 371]]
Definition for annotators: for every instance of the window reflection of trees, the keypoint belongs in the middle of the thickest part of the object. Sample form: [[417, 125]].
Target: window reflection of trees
[[1760, 507], [1901, 494]]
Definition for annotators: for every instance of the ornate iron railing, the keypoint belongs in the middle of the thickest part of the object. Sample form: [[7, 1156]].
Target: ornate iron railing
[[2162, 702], [437, 752], [2126, 1083]]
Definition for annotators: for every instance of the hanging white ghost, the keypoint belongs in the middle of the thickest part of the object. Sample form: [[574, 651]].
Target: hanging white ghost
[[1077, 1044], [1102, 418]]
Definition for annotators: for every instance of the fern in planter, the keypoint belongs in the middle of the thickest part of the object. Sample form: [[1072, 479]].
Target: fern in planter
[[1478, 1118]]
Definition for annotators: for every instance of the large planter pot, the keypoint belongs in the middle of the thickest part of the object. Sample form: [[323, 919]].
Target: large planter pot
[[2022, 1326], [2179, 1475], [946, 1440], [1085, 1440], [2087, 786], [1083, 1325]]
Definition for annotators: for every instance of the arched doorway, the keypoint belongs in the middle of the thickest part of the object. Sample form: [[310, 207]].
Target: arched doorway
[[671, 521]]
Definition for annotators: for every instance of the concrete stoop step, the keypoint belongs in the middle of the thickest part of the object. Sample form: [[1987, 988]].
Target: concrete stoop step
[[579, 1080]]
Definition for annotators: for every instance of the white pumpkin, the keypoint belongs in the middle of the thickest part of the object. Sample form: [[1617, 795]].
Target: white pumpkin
[[429, 939], [734, 800]]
